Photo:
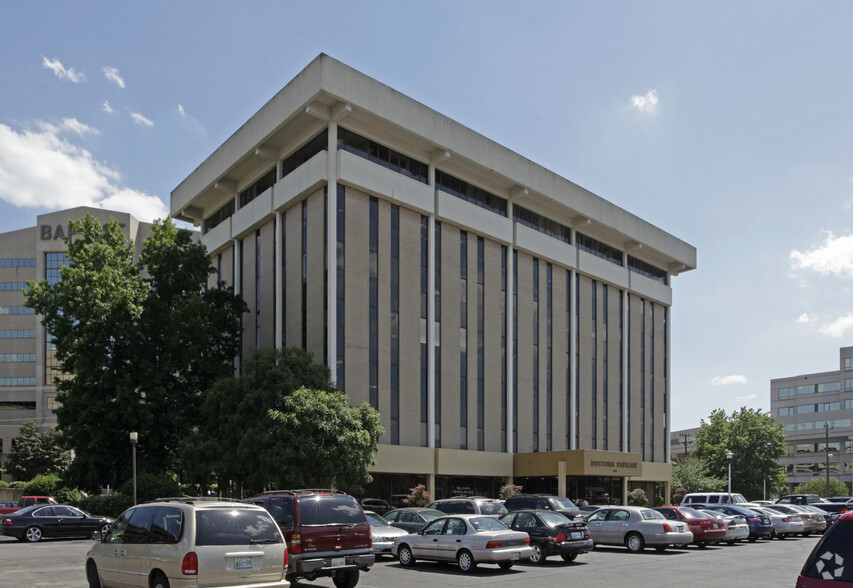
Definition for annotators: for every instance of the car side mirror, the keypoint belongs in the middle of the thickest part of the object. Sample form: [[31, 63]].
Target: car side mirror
[[420, 531], [97, 536]]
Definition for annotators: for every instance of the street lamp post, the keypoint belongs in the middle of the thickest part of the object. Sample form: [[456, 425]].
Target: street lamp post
[[729, 456], [134, 437]]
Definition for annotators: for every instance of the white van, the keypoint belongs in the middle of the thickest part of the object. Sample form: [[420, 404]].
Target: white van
[[712, 498]]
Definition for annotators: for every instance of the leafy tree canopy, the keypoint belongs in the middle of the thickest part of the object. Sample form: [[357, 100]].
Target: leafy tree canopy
[[137, 342], [818, 486], [757, 442], [35, 453], [691, 473]]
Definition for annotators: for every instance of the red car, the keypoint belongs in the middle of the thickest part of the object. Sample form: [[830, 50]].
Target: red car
[[829, 562], [705, 529]]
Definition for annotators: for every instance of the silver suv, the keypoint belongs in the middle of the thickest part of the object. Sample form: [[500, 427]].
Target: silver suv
[[173, 542]]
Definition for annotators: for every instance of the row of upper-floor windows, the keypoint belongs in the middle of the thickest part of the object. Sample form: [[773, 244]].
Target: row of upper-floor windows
[[845, 446], [12, 286], [11, 405], [18, 334], [815, 425], [809, 408], [418, 170], [794, 391], [17, 357], [16, 310], [18, 262], [10, 382]]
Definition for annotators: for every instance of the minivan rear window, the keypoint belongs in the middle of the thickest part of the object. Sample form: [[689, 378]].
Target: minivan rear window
[[235, 526], [330, 510]]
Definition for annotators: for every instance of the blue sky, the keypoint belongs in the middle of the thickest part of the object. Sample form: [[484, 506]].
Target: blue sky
[[727, 124]]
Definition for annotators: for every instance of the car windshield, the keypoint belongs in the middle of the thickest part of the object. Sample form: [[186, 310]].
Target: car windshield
[[485, 524], [430, 514], [649, 514], [492, 507], [235, 526], [376, 521], [564, 504], [552, 519], [692, 513]]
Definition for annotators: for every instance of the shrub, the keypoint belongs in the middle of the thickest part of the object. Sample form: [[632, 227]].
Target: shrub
[[508, 491], [42, 485], [108, 506], [151, 486], [679, 496], [637, 497], [4, 484], [419, 496]]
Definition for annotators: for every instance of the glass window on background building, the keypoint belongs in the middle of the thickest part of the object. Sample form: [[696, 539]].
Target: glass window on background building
[[848, 363], [829, 387], [52, 263], [786, 393]]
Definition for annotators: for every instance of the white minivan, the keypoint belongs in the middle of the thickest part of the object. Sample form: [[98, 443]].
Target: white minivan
[[711, 498]]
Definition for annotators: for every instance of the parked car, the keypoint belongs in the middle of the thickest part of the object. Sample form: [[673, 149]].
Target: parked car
[[842, 499], [376, 505], [7, 506], [563, 506], [811, 523], [413, 518], [399, 500], [467, 539], [828, 564], [43, 521], [382, 533], [784, 524], [799, 499], [706, 530], [189, 542], [551, 533], [635, 527], [712, 498], [829, 517], [736, 527], [759, 524], [830, 510], [327, 533], [472, 505]]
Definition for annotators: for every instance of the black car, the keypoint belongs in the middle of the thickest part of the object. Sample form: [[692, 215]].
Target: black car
[[543, 502], [412, 518], [34, 523], [550, 533]]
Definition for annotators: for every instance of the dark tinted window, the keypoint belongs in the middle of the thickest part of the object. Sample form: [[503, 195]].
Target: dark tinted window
[[139, 525], [829, 556], [330, 510], [281, 510], [116, 532], [235, 526], [167, 525]]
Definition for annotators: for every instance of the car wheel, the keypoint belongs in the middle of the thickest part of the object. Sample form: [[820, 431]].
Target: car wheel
[[569, 557], [346, 579], [536, 556], [506, 564], [660, 548], [701, 545], [752, 538], [781, 536], [404, 554], [732, 542], [160, 581], [466, 561], [635, 542], [33, 534], [92, 575]]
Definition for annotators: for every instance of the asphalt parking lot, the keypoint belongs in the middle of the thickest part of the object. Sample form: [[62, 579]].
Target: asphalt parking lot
[[765, 563]]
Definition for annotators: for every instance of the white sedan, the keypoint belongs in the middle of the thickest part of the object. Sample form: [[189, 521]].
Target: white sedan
[[466, 539]]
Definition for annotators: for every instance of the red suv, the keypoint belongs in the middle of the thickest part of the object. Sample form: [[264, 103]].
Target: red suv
[[828, 564], [327, 533]]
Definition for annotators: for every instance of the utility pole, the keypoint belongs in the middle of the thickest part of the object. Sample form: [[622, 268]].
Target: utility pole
[[684, 438]]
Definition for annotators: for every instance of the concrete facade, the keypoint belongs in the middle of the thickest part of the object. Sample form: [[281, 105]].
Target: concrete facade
[[487, 307]]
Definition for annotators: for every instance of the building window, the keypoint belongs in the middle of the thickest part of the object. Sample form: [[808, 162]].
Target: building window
[[264, 183], [382, 155], [340, 286], [13, 286], [848, 404], [786, 393], [805, 389], [373, 302], [424, 339], [463, 339], [17, 357], [481, 342], [215, 219], [806, 408], [52, 264], [545, 225], [829, 387], [599, 249], [848, 361], [18, 262], [646, 269], [395, 325], [304, 153], [18, 334], [14, 382], [470, 193], [786, 410]]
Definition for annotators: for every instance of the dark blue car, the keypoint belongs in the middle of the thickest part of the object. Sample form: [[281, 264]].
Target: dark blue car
[[759, 524]]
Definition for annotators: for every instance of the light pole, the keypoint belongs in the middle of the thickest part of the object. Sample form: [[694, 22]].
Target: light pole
[[729, 456], [134, 437]]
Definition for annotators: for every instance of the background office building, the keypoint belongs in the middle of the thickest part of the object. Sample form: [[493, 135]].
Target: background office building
[[816, 411], [507, 324], [682, 443], [27, 365]]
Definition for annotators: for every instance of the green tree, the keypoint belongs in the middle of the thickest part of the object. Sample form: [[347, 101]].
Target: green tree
[[35, 453], [757, 442], [818, 486], [691, 473], [230, 442], [137, 343]]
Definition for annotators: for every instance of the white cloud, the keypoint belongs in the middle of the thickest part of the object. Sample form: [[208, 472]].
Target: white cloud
[[746, 398], [181, 110], [837, 328], [141, 120], [107, 108], [834, 257], [59, 70], [728, 380], [805, 319], [42, 169], [647, 104], [111, 73]]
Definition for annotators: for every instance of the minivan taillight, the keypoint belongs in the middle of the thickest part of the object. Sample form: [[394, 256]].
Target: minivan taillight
[[189, 567], [285, 558]]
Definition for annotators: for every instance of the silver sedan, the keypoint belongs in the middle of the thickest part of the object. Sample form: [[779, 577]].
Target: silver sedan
[[736, 527], [382, 534], [466, 539], [635, 527], [784, 524]]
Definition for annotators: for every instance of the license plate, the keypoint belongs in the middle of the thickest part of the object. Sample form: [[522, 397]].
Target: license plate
[[338, 562], [514, 557], [577, 535], [242, 563]]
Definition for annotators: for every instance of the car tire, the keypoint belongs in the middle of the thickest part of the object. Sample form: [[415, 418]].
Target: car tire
[[466, 561], [160, 581], [660, 548], [405, 556], [346, 579], [635, 542], [92, 575], [701, 545], [569, 557], [752, 538], [781, 536], [33, 534], [506, 564], [732, 542], [536, 557]]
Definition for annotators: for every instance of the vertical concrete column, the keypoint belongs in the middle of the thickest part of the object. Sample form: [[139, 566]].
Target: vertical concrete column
[[561, 478], [331, 247], [510, 333], [573, 360], [668, 389], [279, 280], [625, 374], [431, 320]]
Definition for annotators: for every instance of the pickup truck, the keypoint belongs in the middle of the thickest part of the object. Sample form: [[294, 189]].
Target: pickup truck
[[7, 506]]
